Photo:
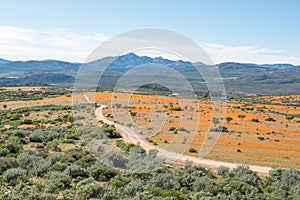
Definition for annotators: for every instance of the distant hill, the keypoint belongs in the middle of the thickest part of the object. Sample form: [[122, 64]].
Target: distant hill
[[272, 66], [239, 78], [2, 61]]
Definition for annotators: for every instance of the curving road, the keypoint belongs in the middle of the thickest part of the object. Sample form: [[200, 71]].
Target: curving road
[[130, 136]]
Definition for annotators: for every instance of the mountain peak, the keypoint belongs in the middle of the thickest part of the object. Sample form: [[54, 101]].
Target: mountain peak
[[131, 59]]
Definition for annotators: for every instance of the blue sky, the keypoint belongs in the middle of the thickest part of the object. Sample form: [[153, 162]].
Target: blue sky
[[262, 31]]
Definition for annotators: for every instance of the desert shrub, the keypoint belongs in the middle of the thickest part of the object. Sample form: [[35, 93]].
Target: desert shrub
[[59, 166], [7, 163], [41, 167], [110, 131], [183, 129], [220, 129], [12, 144], [72, 136], [290, 117], [37, 136], [243, 173], [215, 120], [133, 114], [27, 121], [241, 116], [86, 160], [13, 175], [76, 171], [57, 181], [103, 173], [134, 187], [202, 183], [88, 189], [261, 138], [295, 191], [289, 178], [202, 195], [229, 119], [159, 193], [192, 150], [18, 133], [172, 128], [54, 158], [176, 109], [4, 151], [222, 170], [270, 119], [116, 159], [52, 135], [53, 145], [26, 160], [165, 181], [125, 146], [255, 120]]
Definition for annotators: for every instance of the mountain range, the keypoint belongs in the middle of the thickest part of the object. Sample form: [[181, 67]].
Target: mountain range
[[239, 78]]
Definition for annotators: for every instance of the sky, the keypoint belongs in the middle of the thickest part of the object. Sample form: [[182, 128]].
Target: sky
[[256, 31]]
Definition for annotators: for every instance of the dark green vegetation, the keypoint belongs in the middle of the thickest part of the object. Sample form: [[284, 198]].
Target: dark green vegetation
[[47, 173], [34, 94], [19, 116], [239, 79]]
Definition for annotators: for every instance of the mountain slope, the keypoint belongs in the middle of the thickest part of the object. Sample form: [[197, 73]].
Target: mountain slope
[[239, 78], [3, 61]]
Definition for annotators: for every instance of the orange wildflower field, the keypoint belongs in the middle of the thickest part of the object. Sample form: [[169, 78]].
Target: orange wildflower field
[[266, 132], [256, 130]]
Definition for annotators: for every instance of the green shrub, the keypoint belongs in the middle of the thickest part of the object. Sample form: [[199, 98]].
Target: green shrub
[[103, 173], [219, 129], [58, 180], [37, 136], [133, 114], [13, 175], [4, 152], [241, 116], [229, 119], [27, 121], [7, 163], [222, 170], [76, 171], [261, 138], [192, 150], [270, 119], [88, 189], [110, 131], [176, 109], [27, 161], [172, 128]]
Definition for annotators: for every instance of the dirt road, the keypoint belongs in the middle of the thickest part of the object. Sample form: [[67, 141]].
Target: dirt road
[[130, 136], [172, 157]]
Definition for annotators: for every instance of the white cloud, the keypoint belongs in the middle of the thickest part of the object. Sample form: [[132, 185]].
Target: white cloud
[[31, 44], [247, 54]]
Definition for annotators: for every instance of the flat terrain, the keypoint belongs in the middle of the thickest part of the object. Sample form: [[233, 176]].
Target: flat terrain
[[255, 130], [265, 133]]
